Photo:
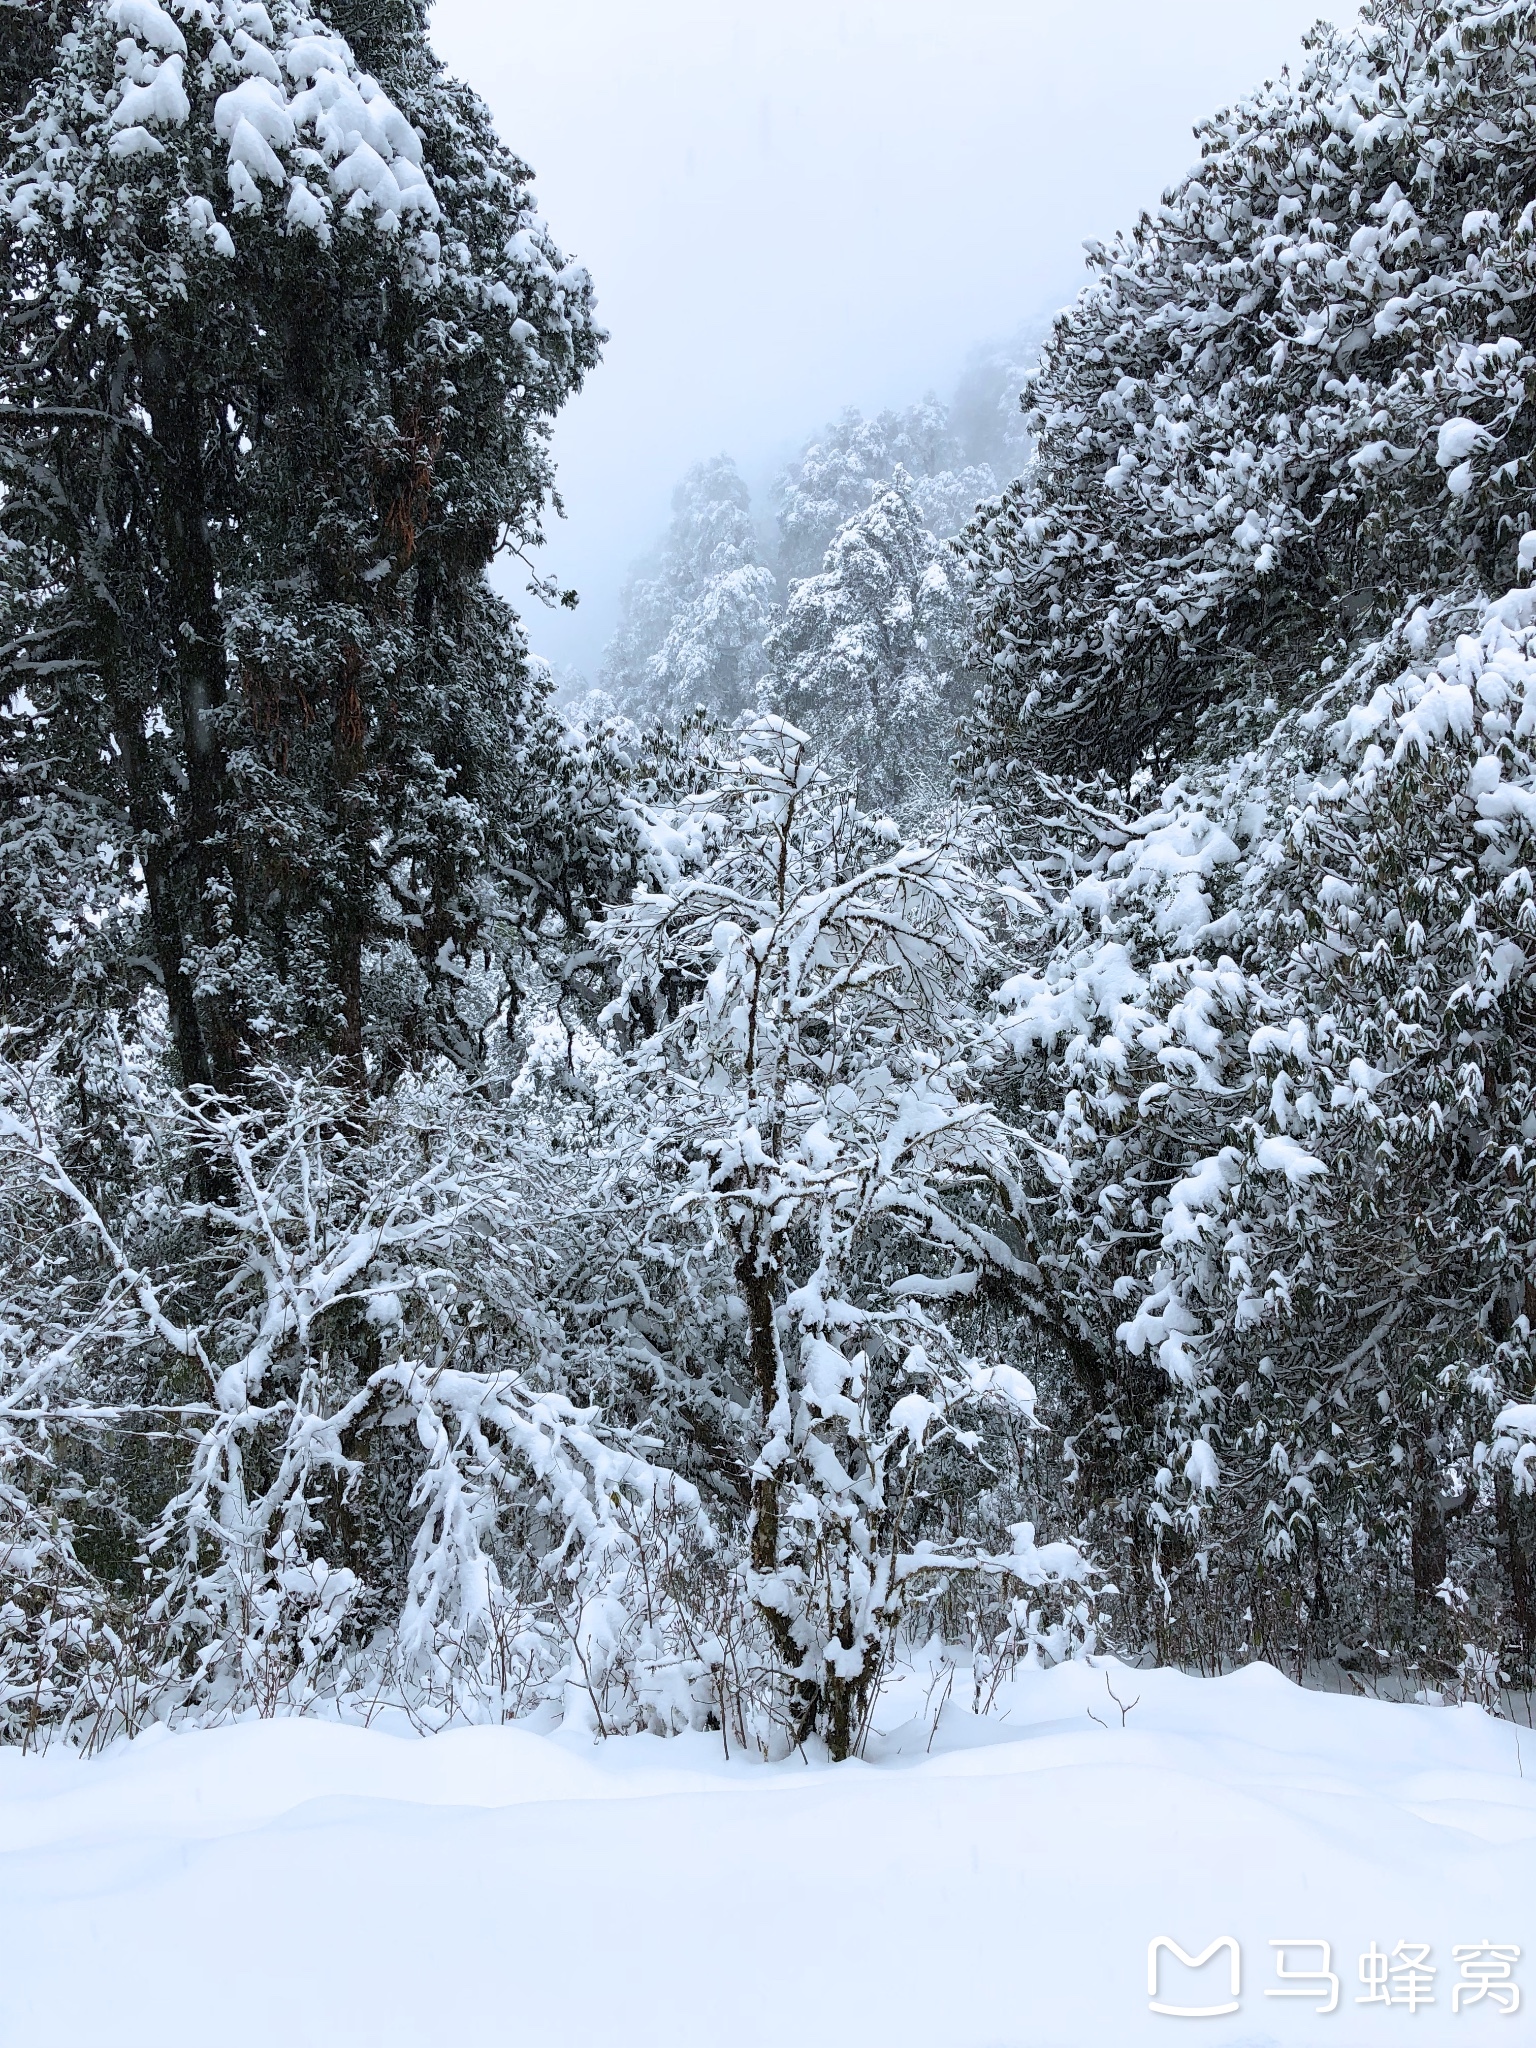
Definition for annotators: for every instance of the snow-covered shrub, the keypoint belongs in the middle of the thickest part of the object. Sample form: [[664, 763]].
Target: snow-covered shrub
[[364, 1461], [1275, 1047], [795, 986], [75, 1657]]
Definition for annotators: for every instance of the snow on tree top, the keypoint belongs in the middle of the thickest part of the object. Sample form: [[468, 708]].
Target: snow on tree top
[[151, 24], [296, 115]]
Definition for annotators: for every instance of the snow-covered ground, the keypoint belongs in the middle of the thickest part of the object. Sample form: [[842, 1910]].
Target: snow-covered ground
[[994, 1882]]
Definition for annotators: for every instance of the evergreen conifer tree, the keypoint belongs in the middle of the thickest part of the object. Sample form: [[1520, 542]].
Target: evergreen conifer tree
[[1294, 397], [281, 346], [692, 631], [869, 655], [839, 473]]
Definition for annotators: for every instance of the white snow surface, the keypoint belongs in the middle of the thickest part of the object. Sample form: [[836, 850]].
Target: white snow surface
[[998, 1884]]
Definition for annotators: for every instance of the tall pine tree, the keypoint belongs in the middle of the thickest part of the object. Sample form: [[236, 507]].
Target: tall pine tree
[[692, 632], [869, 656], [282, 343]]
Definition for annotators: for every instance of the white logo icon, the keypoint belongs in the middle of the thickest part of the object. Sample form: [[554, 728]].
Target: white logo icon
[[1193, 2012]]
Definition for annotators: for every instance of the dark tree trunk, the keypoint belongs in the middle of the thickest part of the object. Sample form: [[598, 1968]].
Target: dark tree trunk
[[1514, 1523], [214, 920], [349, 736], [756, 1274], [165, 921], [1430, 1546], [755, 1279]]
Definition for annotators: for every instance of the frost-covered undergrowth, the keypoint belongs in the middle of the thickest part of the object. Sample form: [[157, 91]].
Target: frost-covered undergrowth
[[978, 1881]]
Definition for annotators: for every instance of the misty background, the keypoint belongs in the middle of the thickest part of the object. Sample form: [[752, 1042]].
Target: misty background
[[794, 207]]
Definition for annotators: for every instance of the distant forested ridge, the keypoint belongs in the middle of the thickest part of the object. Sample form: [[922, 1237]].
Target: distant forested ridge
[[849, 617]]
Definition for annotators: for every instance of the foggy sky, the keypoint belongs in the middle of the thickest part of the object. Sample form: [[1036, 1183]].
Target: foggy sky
[[793, 205]]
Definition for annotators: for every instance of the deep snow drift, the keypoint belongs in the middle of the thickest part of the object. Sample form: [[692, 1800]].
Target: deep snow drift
[[994, 1882]]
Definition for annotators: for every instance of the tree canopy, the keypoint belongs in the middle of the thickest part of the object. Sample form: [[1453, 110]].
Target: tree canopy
[[282, 345], [1293, 398]]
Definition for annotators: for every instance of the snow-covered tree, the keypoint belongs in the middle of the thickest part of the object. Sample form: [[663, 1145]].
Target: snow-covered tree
[[382, 34], [869, 656], [1276, 1048], [1292, 398], [28, 32], [692, 625], [838, 474], [695, 615], [796, 981], [280, 348]]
